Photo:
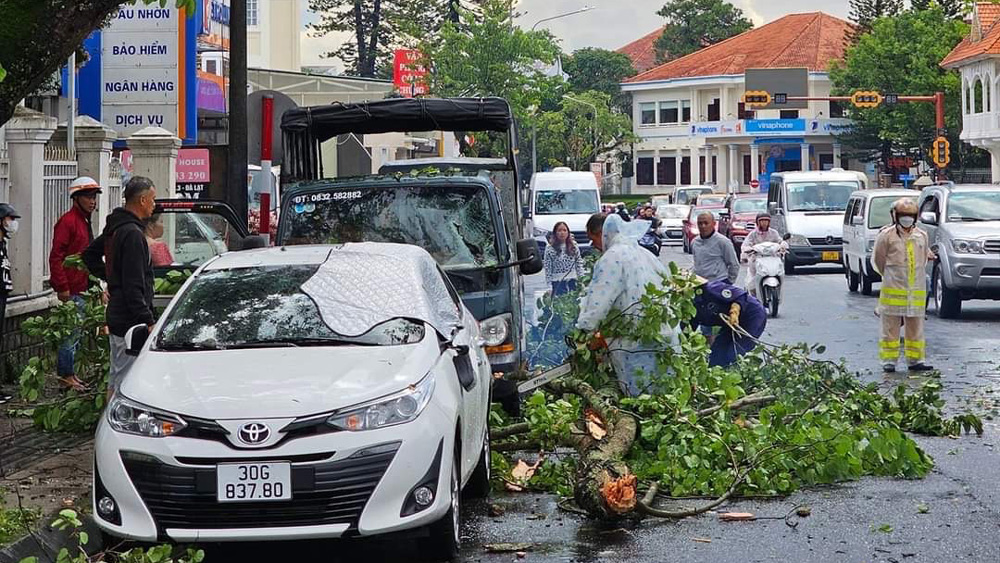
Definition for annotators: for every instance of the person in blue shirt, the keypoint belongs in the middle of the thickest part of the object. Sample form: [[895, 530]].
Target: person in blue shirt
[[723, 298]]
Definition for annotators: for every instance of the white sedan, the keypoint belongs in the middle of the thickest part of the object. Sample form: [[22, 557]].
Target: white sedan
[[672, 222], [300, 392]]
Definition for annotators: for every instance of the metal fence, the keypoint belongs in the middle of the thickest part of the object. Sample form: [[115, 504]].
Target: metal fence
[[60, 170]]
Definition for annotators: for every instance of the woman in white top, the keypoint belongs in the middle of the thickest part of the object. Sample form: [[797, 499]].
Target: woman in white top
[[563, 264]]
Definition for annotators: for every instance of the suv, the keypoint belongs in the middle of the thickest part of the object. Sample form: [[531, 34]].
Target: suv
[[963, 226]]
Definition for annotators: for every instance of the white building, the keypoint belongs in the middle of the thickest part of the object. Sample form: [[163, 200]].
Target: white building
[[977, 58], [689, 110]]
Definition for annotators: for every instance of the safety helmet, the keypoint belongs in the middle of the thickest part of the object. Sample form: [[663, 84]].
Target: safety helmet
[[82, 185], [762, 215], [7, 210], [903, 206]]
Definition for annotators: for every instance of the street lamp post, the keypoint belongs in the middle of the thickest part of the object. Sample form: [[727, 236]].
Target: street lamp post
[[593, 125], [534, 153]]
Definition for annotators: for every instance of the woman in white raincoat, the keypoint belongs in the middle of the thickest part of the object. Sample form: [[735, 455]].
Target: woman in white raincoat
[[618, 284]]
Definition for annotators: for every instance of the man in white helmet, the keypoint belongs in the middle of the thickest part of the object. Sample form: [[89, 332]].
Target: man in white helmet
[[71, 236], [900, 256]]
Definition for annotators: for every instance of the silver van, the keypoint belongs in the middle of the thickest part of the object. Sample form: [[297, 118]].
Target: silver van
[[867, 212]]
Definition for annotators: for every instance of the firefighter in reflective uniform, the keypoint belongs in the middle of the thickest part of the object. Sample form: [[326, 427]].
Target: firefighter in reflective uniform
[[900, 256]]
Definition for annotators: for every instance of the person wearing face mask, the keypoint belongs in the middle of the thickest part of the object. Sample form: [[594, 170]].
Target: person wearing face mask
[[8, 227], [900, 256]]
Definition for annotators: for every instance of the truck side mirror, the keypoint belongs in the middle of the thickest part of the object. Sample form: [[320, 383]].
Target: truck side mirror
[[856, 220], [135, 339], [929, 218], [527, 252], [787, 236], [772, 208]]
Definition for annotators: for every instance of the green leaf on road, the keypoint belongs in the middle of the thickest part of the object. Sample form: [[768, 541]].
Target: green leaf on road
[[923, 508]]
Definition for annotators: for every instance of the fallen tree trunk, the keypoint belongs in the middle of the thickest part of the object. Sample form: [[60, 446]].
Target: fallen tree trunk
[[604, 485]]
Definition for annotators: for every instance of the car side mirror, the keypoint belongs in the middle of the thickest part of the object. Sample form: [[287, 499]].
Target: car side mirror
[[135, 339], [251, 242], [463, 367], [529, 256], [788, 236], [929, 218]]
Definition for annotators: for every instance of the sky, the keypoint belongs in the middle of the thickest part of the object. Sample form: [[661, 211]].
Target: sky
[[610, 25]]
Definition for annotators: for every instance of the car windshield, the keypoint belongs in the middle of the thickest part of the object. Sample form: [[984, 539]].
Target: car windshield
[[750, 205], [669, 212], [715, 211], [686, 196], [186, 239], [453, 223], [974, 206], [566, 202], [820, 196], [878, 212], [262, 307]]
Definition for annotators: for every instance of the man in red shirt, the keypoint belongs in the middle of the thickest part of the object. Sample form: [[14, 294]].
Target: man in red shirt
[[72, 235]]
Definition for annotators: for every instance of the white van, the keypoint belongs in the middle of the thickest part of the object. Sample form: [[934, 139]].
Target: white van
[[810, 206], [563, 196], [867, 212]]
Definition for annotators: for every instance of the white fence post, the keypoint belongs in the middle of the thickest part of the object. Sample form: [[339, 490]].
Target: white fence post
[[154, 155], [26, 135], [93, 155]]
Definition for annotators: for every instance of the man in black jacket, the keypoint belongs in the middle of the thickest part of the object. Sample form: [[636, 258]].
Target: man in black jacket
[[120, 256]]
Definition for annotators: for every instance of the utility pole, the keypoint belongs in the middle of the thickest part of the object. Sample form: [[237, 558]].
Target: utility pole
[[237, 189]]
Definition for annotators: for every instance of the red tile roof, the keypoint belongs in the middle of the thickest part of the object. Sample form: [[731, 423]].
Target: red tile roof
[[642, 51], [982, 41], [810, 40]]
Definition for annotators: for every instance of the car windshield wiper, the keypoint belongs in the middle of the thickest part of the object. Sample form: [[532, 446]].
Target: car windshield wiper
[[187, 346], [297, 342], [971, 219]]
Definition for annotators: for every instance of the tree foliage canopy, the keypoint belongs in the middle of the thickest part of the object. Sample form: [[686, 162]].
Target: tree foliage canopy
[[600, 70], [695, 24], [574, 135]]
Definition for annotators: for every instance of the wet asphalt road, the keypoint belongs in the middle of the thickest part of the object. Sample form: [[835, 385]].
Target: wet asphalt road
[[865, 521]]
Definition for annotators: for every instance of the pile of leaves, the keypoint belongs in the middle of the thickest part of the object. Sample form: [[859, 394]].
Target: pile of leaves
[[778, 420], [14, 521]]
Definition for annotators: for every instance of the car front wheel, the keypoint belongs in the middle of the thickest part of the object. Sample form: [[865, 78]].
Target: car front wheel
[[479, 485], [443, 542], [947, 301]]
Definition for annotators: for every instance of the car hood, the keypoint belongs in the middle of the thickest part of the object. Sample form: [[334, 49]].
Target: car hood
[[577, 222], [746, 217], [673, 223], [275, 382], [985, 229], [815, 225]]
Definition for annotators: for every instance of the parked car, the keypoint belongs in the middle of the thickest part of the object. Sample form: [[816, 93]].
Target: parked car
[[963, 225], [672, 222], [300, 392], [867, 212], [685, 195], [563, 196], [691, 223], [707, 200], [741, 217], [658, 201]]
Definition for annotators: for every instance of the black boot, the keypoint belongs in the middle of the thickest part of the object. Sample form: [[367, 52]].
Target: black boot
[[921, 367], [889, 368]]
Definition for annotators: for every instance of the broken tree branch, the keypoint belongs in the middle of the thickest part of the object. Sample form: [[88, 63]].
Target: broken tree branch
[[748, 401], [508, 431]]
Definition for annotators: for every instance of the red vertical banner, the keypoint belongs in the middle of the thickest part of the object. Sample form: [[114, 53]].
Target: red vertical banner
[[409, 76]]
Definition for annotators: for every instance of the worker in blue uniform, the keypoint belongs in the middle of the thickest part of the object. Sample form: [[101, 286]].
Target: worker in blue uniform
[[742, 309]]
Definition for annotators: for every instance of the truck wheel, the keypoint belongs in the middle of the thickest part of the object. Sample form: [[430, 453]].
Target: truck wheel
[[443, 542], [947, 301], [866, 284], [852, 279]]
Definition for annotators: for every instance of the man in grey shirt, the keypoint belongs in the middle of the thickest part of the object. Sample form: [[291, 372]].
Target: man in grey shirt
[[714, 255]]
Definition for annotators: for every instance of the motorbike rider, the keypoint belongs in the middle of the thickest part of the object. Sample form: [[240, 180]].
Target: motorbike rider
[[742, 309], [763, 233], [900, 255]]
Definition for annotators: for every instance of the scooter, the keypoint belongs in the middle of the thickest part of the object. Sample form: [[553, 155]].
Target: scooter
[[770, 265], [652, 242]]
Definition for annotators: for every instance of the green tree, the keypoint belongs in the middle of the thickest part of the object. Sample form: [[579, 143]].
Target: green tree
[[902, 54], [574, 135], [601, 70], [955, 9], [865, 12], [695, 24], [37, 36]]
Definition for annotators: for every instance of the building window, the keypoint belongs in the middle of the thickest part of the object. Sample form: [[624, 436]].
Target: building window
[[647, 112], [212, 67], [701, 169], [668, 113], [644, 171], [742, 113], [968, 97], [825, 161], [713, 110], [686, 171], [686, 111], [836, 109], [715, 170], [977, 94], [747, 170], [666, 172], [252, 18], [789, 114]]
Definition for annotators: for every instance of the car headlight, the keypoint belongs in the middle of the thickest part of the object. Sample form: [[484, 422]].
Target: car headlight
[[389, 411], [798, 240], [495, 332], [966, 246], [540, 232], [130, 417]]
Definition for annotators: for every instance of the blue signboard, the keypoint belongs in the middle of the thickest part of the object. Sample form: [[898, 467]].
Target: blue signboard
[[776, 125]]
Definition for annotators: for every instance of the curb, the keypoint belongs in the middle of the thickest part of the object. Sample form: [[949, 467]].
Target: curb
[[46, 542]]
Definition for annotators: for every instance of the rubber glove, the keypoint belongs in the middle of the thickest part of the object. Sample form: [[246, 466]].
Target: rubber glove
[[734, 314]]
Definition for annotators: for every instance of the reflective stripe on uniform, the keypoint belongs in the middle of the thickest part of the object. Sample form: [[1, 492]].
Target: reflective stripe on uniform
[[911, 261], [915, 349], [889, 349]]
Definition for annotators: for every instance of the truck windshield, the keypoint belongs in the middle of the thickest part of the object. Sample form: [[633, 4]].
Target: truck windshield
[[820, 196], [566, 202], [454, 224], [974, 206]]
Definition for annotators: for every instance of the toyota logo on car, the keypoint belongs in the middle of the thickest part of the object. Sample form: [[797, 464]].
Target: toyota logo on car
[[254, 433]]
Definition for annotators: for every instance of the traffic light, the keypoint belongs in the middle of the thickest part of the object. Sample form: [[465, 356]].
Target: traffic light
[[757, 98], [941, 152], [866, 99]]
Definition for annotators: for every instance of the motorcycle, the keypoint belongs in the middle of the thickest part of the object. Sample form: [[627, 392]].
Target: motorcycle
[[770, 266], [652, 242]]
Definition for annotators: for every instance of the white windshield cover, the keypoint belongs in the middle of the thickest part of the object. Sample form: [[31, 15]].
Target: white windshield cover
[[362, 285]]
